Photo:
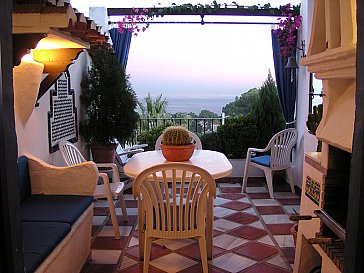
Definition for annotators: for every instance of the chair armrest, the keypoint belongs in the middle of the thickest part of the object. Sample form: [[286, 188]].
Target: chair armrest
[[113, 167], [47, 179], [137, 146], [256, 150], [133, 151]]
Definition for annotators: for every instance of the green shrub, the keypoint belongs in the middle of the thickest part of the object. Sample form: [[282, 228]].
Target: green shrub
[[237, 135], [210, 142], [267, 112], [150, 137]]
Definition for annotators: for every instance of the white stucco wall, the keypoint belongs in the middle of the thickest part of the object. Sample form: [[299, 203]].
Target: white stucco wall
[[33, 136], [99, 15], [306, 142]]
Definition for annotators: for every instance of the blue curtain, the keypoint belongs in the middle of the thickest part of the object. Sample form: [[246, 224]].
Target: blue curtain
[[121, 44], [286, 84]]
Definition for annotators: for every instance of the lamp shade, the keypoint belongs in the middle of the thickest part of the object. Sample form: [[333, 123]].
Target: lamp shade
[[291, 63]]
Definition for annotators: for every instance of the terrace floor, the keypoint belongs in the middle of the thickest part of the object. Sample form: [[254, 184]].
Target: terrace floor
[[251, 234]]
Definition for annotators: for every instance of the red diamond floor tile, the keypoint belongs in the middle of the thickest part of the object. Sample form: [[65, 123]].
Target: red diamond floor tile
[[216, 233], [97, 268], [247, 232], [101, 211], [193, 251], [131, 220], [139, 269], [256, 181], [230, 190], [264, 210], [232, 196], [290, 201], [157, 251], [236, 205], [289, 253], [280, 229], [198, 268], [264, 268], [95, 230], [131, 203], [229, 180], [109, 243], [242, 218], [256, 251], [259, 195]]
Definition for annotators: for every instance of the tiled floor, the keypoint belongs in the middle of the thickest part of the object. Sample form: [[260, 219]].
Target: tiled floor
[[251, 234]]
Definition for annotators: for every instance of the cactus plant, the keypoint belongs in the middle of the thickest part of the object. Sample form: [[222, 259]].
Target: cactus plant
[[313, 121], [176, 136]]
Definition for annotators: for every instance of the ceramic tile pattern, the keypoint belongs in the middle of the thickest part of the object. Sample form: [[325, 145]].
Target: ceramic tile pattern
[[251, 234]]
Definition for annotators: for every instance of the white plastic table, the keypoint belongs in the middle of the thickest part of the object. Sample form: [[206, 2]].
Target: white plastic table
[[215, 163]]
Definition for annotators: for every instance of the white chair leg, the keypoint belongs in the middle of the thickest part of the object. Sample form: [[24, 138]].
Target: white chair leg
[[269, 177], [147, 250], [114, 219], [245, 178], [202, 244], [123, 207], [110, 202], [290, 178]]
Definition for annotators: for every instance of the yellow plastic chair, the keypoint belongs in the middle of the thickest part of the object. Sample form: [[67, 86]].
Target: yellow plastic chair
[[166, 213]]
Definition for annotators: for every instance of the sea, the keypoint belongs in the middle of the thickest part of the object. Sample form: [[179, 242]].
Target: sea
[[195, 105]]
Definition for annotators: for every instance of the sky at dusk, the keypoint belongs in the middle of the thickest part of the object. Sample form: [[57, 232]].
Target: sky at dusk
[[194, 60]]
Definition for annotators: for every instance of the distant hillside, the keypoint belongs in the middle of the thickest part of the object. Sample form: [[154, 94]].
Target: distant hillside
[[242, 105]]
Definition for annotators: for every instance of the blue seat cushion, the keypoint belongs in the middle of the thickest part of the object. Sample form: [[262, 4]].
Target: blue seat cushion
[[23, 178], [54, 208], [40, 238], [263, 160]]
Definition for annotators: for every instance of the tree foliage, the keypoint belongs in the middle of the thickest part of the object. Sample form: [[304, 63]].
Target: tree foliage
[[153, 108], [242, 105], [109, 100], [267, 112]]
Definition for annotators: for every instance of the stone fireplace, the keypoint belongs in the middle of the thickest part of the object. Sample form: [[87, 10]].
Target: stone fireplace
[[326, 175]]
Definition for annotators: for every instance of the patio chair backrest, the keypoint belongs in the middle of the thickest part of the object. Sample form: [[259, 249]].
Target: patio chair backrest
[[70, 153], [195, 140], [168, 212], [281, 145]]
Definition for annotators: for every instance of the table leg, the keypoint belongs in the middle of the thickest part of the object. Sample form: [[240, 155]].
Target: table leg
[[209, 226]]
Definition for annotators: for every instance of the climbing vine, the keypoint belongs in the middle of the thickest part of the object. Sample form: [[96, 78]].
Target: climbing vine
[[138, 19]]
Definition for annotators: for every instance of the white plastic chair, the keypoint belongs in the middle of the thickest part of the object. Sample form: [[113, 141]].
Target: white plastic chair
[[165, 214], [72, 156], [195, 140], [122, 156], [280, 147]]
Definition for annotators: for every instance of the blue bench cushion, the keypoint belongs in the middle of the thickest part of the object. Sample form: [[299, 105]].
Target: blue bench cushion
[[40, 238], [23, 178], [54, 208], [263, 160]]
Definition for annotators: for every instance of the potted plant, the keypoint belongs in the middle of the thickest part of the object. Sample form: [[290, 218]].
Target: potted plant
[[176, 144], [109, 102]]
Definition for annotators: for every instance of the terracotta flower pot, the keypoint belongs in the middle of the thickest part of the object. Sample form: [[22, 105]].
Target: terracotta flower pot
[[177, 153], [103, 153]]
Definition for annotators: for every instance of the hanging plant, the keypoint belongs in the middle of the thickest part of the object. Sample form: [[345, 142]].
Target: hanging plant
[[133, 21], [287, 29], [142, 16]]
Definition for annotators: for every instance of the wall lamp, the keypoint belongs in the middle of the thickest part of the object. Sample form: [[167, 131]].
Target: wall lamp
[[292, 62]]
